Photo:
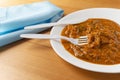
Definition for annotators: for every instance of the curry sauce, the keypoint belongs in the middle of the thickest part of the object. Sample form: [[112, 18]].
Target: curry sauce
[[103, 41]]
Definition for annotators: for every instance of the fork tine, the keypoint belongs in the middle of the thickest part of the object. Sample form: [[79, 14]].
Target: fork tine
[[82, 40], [83, 37], [82, 43]]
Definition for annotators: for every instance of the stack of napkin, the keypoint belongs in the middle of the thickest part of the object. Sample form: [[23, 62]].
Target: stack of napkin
[[14, 19]]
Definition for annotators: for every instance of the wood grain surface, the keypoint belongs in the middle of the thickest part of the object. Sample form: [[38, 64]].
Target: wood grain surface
[[36, 60]]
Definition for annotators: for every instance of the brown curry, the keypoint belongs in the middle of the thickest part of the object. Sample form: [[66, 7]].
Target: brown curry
[[103, 41]]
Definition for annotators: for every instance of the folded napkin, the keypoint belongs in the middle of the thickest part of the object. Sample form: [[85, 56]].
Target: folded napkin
[[14, 36], [14, 19]]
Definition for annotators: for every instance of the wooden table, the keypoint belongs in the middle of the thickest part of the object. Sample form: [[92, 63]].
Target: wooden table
[[36, 60]]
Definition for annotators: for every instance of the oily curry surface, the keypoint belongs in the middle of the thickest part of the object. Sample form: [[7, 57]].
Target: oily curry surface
[[103, 41]]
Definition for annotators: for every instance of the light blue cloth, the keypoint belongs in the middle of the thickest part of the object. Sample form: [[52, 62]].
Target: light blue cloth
[[14, 36], [14, 19]]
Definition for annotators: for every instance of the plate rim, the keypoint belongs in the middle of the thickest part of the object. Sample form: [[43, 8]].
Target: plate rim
[[103, 68]]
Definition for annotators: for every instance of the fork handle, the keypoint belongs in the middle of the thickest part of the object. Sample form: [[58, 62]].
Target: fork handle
[[43, 36], [45, 25]]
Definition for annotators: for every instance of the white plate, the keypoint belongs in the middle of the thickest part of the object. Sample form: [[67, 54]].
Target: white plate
[[107, 13]]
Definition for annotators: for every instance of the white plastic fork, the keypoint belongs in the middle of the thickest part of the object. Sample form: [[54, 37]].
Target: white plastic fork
[[78, 41], [46, 25]]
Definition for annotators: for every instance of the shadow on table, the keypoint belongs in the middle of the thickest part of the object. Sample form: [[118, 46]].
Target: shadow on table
[[12, 45], [93, 75], [101, 76], [20, 41]]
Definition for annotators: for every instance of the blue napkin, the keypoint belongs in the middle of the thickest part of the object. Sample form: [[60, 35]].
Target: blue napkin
[[14, 36], [14, 19]]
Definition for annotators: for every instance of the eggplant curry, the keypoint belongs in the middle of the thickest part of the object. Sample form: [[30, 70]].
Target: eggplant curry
[[103, 41]]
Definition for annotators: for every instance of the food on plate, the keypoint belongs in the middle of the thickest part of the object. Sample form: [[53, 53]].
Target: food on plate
[[103, 41]]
